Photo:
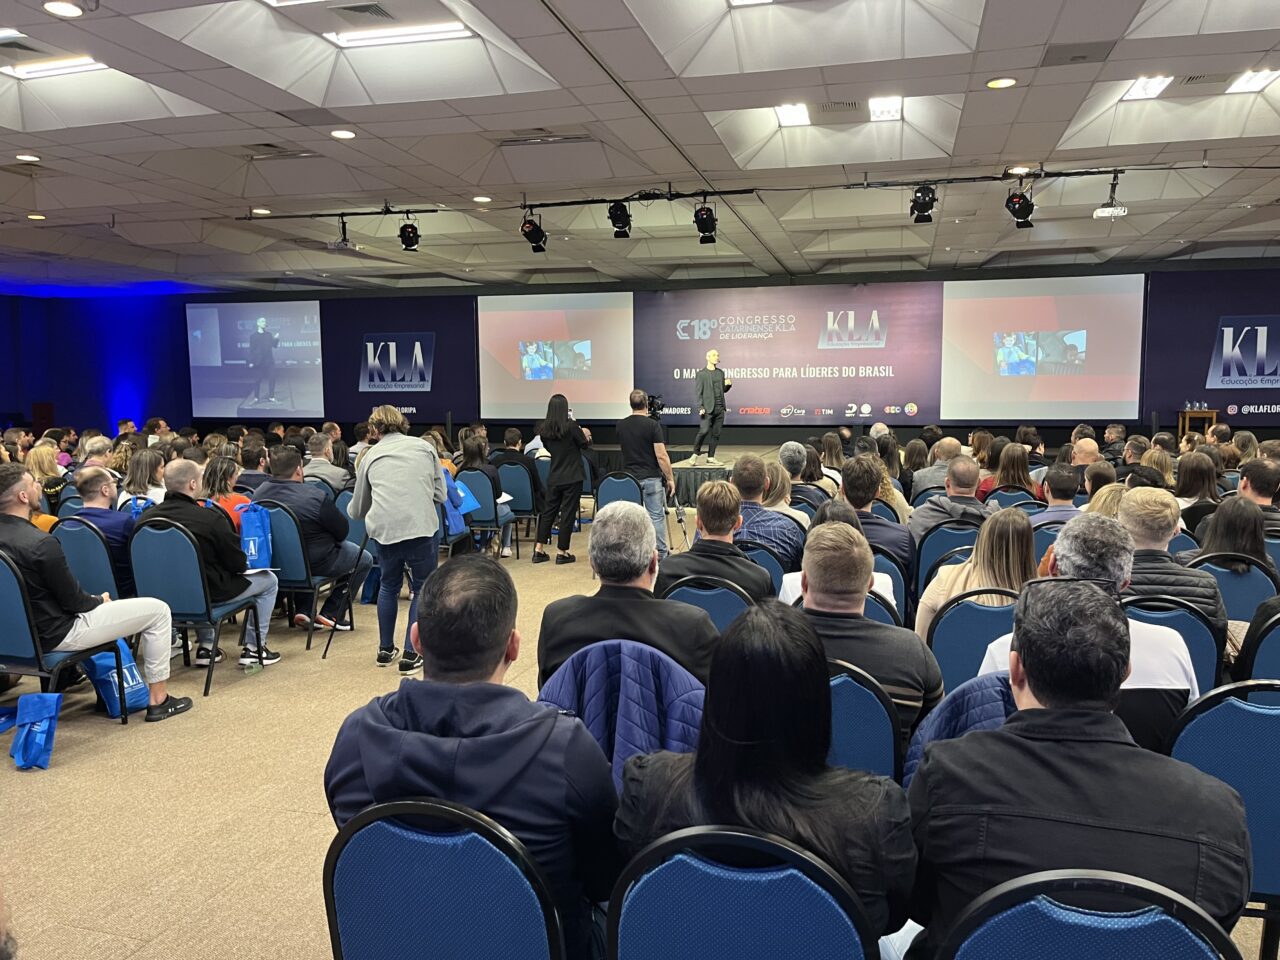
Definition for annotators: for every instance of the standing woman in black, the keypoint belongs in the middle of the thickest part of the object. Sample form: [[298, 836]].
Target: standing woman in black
[[565, 441]]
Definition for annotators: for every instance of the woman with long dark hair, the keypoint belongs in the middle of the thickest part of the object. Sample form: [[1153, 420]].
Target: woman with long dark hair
[[761, 763], [565, 441], [475, 456], [812, 473], [1012, 470], [1197, 480]]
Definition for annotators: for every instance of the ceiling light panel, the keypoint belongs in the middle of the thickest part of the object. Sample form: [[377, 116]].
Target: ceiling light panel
[[885, 108], [1146, 88], [1252, 81], [792, 115], [289, 3], [8, 33], [40, 69], [381, 36], [748, 3]]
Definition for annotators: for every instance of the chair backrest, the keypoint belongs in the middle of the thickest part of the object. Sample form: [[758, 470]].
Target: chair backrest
[[963, 629], [1184, 541], [70, 505], [1242, 593], [481, 488], [1145, 921], [1192, 625], [18, 647], [950, 558], [1230, 479], [1008, 496], [765, 557], [920, 496], [588, 487], [1080, 499], [1229, 738], [88, 555], [679, 900], [1044, 535], [1273, 550], [804, 506], [166, 566], [288, 549], [618, 486], [722, 600], [356, 531], [941, 539], [515, 480], [866, 732], [329, 492], [880, 610], [897, 484], [883, 562], [543, 466], [1031, 506], [480, 892], [1260, 657], [879, 508], [1194, 514]]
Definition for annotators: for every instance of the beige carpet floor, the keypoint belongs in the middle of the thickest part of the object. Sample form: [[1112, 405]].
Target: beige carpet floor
[[204, 836]]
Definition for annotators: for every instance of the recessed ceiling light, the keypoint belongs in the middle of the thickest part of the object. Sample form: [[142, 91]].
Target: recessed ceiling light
[[342, 134], [52, 68], [35, 216], [482, 199], [1146, 88], [8, 33], [885, 108], [1019, 171], [1000, 83], [27, 158], [61, 8], [747, 3], [380, 36], [260, 212], [1251, 81], [792, 115]]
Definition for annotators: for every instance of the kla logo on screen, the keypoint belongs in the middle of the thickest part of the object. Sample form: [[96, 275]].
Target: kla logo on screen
[[1241, 356], [397, 362], [843, 333]]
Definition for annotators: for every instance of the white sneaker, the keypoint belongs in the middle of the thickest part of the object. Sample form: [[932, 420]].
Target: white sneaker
[[693, 461], [712, 462], [506, 552]]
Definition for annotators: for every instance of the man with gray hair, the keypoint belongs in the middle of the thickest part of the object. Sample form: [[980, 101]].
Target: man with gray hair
[[97, 450], [320, 463], [878, 430], [1161, 680], [792, 456], [624, 555], [943, 452]]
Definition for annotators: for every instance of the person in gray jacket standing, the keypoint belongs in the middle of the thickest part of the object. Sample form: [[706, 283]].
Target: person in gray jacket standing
[[399, 487], [711, 386]]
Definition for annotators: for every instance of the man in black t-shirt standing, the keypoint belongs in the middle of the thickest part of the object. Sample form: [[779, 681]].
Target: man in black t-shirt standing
[[644, 456]]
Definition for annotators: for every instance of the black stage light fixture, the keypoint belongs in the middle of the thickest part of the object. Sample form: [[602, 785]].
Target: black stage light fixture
[[620, 217], [409, 235], [922, 202], [1020, 208], [532, 231], [704, 218]]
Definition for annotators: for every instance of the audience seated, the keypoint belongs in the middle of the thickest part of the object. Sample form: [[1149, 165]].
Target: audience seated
[[475, 450], [97, 453], [861, 483], [1146, 476], [1004, 557], [1162, 463], [1134, 448], [1197, 485], [624, 555], [834, 584], [1218, 435], [324, 535], [959, 503], [1113, 441], [1246, 443], [838, 511], [1012, 470], [812, 472], [1259, 481], [777, 493], [713, 553], [145, 478], [1161, 680], [1060, 492], [64, 616], [217, 485], [256, 465], [761, 764], [793, 458], [460, 735], [97, 488], [1098, 475], [991, 806], [512, 452], [319, 463], [1151, 517], [941, 454], [776, 532], [1084, 452], [222, 558]]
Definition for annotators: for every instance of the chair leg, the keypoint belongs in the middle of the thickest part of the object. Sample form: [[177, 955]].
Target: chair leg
[[213, 658], [1270, 939], [124, 707], [311, 620]]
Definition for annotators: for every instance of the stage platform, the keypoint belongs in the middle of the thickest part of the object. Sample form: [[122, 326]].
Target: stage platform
[[608, 458]]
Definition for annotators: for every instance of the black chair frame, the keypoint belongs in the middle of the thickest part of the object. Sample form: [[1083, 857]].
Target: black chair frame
[[708, 583], [887, 505], [837, 668], [709, 841], [528, 516], [1089, 882], [1016, 488], [960, 598], [945, 560], [464, 820], [1161, 602], [798, 603], [47, 674], [745, 545], [1219, 559], [1249, 652], [1270, 912], [291, 588], [934, 491], [247, 607]]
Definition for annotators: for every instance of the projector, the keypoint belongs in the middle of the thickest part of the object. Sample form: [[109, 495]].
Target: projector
[[342, 244], [1110, 210]]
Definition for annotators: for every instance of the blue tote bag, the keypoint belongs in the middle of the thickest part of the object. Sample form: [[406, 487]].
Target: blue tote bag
[[255, 535], [36, 717], [101, 668]]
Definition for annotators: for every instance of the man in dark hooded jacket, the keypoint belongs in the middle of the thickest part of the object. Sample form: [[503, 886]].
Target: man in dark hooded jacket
[[460, 735]]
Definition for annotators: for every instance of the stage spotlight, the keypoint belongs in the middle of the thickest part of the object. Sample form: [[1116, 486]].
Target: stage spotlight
[[704, 218], [1020, 208], [922, 202], [409, 236], [532, 231], [620, 217]]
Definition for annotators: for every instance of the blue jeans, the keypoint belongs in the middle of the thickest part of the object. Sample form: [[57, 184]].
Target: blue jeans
[[505, 516], [654, 490], [262, 588], [417, 556], [341, 565]]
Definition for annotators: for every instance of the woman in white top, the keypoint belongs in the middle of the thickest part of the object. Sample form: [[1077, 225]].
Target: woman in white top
[[1004, 557], [832, 457], [145, 477], [777, 493]]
